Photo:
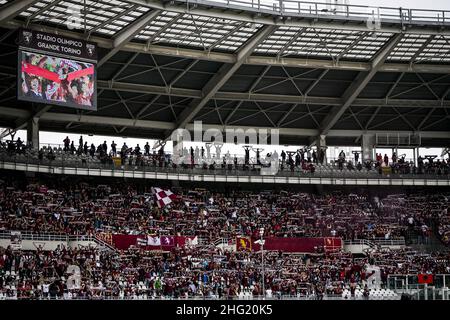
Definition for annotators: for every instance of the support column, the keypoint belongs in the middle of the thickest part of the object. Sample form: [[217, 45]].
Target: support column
[[322, 145], [177, 147], [33, 133], [367, 147]]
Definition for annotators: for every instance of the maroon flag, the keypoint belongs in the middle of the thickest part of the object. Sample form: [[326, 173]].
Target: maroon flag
[[425, 278]]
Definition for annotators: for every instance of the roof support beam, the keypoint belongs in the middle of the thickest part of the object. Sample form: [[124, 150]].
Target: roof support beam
[[392, 88], [231, 58], [392, 118], [284, 117], [162, 30], [425, 119], [230, 115], [419, 86], [222, 76], [14, 9], [125, 66], [246, 96], [290, 42], [422, 47], [436, 122], [107, 121], [160, 125], [43, 9], [225, 36], [22, 123], [372, 117], [106, 22], [129, 33], [351, 46], [312, 86], [358, 85]]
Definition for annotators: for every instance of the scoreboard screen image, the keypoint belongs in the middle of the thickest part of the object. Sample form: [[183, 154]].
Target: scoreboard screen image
[[48, 79]]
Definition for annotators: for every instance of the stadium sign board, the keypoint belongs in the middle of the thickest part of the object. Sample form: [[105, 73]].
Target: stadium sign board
[[58, 45]]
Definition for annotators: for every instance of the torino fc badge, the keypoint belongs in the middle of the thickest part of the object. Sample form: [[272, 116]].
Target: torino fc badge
[[27, 36]]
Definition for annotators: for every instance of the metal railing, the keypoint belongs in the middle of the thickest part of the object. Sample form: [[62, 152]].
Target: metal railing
[[273, 296], [376, 242], [359, 242], [389, 242], [408, 284], [338, 11], [27, 235], [64, 160]]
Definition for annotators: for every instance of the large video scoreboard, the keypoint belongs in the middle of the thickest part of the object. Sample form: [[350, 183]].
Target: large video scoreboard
[[54, 69]]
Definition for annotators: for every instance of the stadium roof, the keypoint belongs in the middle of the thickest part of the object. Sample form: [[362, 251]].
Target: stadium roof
[[308, 69]]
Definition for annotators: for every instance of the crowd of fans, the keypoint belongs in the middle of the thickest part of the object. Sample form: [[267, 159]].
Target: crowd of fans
[[304, 160], [89, 273], [80, 208], [207, 271]]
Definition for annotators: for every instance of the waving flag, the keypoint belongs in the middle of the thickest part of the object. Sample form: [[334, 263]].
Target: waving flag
[[153, 241], [163, 197], [425, 278]]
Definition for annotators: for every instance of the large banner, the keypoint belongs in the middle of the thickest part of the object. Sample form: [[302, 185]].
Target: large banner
[[165, 243], [57, 44], [300, 245]]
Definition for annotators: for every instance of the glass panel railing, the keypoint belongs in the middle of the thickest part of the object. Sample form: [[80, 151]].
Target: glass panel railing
[[326, 9]]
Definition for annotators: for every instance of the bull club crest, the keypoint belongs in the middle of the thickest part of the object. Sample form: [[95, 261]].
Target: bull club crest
[[90, 49], [243, 243], [27, 36]]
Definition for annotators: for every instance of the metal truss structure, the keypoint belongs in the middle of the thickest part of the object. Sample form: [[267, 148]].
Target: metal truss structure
[[309, 69]]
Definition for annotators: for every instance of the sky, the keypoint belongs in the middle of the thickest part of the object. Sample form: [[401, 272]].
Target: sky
[[410, 4]]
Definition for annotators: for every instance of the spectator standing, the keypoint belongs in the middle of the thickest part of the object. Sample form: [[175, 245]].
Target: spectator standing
[[321, 155], [113, 148], [137, 150], [92, 151], [314, 156], [66, 144], [19, 145]]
